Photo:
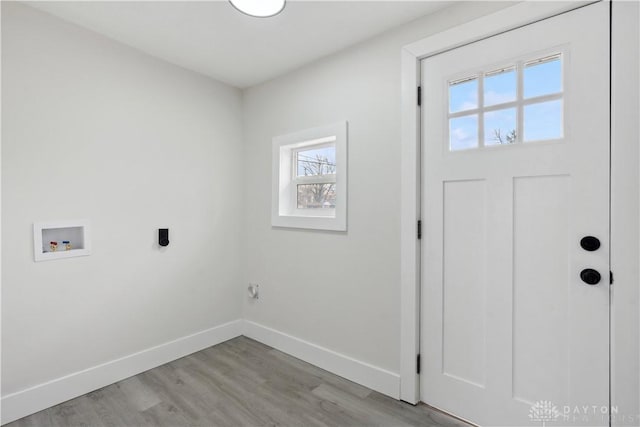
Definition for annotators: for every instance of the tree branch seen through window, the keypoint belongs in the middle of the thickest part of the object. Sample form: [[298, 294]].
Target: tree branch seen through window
[[314, 196], [509, 138]]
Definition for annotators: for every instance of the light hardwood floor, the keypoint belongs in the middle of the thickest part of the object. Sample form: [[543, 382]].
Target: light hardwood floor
[[237, 383]]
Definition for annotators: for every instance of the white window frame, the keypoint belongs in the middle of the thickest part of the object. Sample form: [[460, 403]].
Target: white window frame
[[311, 179], [519, 104], [284, 207]]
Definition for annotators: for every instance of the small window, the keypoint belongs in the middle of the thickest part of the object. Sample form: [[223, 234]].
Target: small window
[[543, 76], [316, 161], [316, 196], [500, 86], [463, 95], [518, 103], [310, 179], [463, 132], [500, 127], [543, 121]]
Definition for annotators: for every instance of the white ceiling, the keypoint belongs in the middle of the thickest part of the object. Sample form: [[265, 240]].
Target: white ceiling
[[214, 39]]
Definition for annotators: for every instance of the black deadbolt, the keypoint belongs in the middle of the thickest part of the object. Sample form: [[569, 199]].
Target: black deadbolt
[[590, 243], [590, 276]]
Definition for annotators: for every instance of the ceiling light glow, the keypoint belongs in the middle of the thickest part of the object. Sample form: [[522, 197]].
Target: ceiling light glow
[[259, 8]]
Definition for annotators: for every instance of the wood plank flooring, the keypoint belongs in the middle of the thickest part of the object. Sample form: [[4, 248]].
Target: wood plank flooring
[[237, 383]]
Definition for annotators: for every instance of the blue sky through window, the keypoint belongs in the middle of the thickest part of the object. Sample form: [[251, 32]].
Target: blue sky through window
[[500, 87], [542, 78], [463, 96], [542, 121], [463, 132]]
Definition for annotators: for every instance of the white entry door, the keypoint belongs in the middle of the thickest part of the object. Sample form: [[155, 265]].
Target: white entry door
[[515, 212]]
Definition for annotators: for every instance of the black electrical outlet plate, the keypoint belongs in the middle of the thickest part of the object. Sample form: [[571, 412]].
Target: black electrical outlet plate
[[163, 237]]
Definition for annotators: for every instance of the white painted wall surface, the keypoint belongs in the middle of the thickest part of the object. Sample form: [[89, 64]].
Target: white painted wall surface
[[625, 208], [337, 290], [99, 117], [93, 129]]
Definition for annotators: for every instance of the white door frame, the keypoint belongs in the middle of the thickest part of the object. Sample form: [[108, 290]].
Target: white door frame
[[625, 253]]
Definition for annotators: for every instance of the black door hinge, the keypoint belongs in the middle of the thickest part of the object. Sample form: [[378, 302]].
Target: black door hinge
[[611, 277], [419, 95], [419, 229], [418, 364]]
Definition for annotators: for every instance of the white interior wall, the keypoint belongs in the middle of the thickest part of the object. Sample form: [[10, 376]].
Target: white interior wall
[[93, 129], [70, 95], [340, 291], [625, 209]]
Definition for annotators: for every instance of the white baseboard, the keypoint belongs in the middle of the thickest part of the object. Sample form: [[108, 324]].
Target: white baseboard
[[42, 396], [370, 376]]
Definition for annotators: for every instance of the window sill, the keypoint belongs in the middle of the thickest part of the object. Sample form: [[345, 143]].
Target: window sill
[[331, 223]]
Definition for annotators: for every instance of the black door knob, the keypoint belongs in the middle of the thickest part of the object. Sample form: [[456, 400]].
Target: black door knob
[[590, 276], [590, 243]]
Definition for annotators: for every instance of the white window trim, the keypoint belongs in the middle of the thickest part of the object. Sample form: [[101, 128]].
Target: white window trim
[[518, 64], [284, 211]]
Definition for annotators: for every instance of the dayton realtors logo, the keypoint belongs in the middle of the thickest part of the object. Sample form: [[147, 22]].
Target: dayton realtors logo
[[543, 411]]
